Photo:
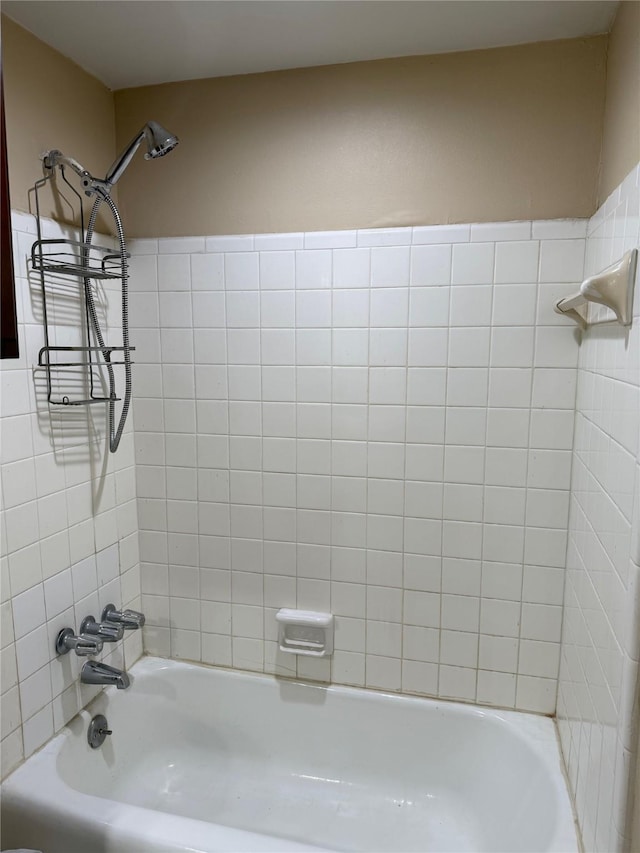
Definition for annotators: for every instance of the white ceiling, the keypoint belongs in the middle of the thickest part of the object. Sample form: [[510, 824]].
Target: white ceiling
[[139, 42]]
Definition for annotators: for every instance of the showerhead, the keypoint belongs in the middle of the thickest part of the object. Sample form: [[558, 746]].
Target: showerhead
[[159, 142]]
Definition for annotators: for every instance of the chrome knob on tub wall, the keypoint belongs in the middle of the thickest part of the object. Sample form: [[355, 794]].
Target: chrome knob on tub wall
[[82, 646], [108, 632], [129, 619]]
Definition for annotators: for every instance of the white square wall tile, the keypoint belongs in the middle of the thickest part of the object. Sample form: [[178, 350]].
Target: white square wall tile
[[508, 427], [28, 611], [351, 268], [277, 309], [350, 347], [388, 347], [498, 654], [562, 260], [207, 272], [468, 347], [429, 306], [516, 262], [243, 309], [428, 347], [313, 308], [536, 694], [143, 310], [390, 266], [37, 730], [58, 593], [512, 346], [456, 682], [143, 272], [496, 688], [555, 347], [241, 271], [84, 578], [430, 265], [350, 308], [472, 263], [32, 652], [277, 270], [209, 307], [175, 309], [313, 346], [173, 272], [389, 307], [514, 305], [313, 269], [35, 692], [471, 306], [383, 673]]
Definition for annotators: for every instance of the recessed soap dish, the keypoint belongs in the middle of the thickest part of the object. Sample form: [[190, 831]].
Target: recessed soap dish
[[305, 632]]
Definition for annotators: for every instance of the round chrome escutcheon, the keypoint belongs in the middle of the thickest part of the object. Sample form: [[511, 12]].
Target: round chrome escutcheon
[[98, 731]]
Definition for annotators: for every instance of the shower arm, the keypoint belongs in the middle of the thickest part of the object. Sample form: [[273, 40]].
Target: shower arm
[[120, 164]]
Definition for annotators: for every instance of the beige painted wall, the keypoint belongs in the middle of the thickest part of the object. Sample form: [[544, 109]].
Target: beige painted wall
[[495, 134], [51, 103], [510, 133], [621, 139]]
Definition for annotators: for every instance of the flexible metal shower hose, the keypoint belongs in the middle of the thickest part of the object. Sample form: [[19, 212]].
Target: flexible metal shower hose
[[115, 434]]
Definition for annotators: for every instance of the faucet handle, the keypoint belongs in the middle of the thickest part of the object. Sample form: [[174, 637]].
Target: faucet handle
[[83, 646], [108, 632], [129, 619]]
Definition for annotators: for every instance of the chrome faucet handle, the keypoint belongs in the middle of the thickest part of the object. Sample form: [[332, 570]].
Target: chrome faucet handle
[[108, 632], [82, 646], [129, 619]]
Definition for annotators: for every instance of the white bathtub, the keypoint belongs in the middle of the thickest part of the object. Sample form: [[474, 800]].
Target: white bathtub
[[203, 759]]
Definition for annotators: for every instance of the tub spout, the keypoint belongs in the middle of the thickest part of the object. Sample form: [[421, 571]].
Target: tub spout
[[96, 672]]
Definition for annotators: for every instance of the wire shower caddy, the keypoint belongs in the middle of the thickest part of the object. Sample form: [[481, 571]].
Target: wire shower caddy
[[82, 262]]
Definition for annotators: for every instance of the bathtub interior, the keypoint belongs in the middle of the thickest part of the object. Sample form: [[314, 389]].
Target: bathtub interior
[[334, 767]]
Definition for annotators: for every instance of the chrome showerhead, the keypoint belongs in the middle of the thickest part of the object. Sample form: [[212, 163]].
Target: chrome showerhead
[[159, 142]]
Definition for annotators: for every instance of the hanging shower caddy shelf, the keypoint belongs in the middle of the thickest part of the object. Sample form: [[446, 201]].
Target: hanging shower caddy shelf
[[68, 260], [76, 263]]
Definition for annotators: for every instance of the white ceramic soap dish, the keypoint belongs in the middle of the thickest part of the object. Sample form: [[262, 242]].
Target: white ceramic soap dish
[[305, 632]]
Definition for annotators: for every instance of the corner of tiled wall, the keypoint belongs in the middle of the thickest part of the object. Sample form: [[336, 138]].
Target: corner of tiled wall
[[69, 532]]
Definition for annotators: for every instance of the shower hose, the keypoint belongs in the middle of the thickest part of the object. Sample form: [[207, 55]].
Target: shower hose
[[115, 433]]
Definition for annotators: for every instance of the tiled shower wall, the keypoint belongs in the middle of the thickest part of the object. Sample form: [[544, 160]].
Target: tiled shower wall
[[597, 699], [68, 521], [376, 423]]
